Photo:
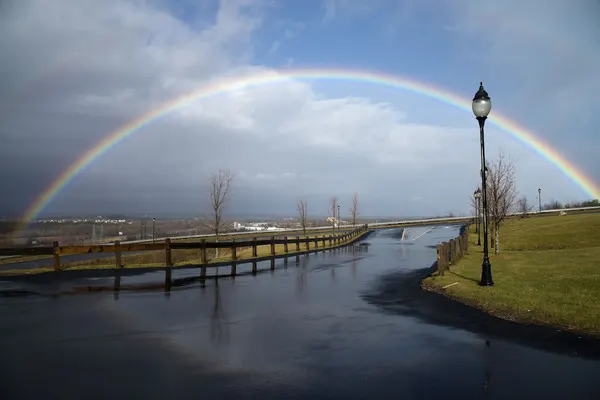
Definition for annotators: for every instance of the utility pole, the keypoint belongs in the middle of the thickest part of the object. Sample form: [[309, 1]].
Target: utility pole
[[540, 199], [153, 230]]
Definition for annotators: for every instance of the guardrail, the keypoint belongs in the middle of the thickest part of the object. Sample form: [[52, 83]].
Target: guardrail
[[316, 229], [291, 246]]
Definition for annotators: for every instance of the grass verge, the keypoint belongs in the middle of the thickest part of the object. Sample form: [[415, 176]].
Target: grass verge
[[547, 273], [19, 259]]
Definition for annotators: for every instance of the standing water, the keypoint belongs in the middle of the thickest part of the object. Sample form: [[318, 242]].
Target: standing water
[[338, 324]]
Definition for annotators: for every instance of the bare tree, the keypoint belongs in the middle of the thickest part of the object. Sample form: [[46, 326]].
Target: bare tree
[[303, 214], [552, 205], [220, 186], [333, 210], [354, 209], [524, 207], [473, 200], [501, 194]]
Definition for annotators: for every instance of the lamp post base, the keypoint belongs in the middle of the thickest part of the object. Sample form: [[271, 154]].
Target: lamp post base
[[486, 273]]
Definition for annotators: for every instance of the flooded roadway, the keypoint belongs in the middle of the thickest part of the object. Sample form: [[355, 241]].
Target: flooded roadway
[[339, 325]]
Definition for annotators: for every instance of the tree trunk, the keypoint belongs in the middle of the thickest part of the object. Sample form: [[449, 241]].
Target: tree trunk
[[217, 249], [497, 240]]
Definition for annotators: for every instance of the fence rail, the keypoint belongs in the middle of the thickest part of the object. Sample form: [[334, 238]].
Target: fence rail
[[450, 252], [291, 246]]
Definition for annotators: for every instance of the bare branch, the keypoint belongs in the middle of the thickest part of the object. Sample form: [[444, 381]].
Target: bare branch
[[523, 206], [501, 193], [303, 214], [354, 209], [220, 187]]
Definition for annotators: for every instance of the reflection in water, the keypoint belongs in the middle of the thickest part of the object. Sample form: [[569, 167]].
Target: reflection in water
[[487, 368], [300, 284], [117, 288], [219, 325], [168, 281]]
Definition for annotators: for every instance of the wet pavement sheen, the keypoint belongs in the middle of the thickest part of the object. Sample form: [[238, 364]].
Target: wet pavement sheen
[[337, 325]]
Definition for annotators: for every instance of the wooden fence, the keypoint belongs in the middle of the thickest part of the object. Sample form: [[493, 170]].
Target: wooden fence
[[450, 252], [291, 246]]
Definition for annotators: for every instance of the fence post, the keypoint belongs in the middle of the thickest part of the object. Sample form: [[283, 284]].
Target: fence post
[[203, 251], [168, 256], [118, 263], [453, 251], [55, 256], [272, 253], [297, 243], [254, 255], [285, 245], [324, 241], [254, 249], [329, 240], [440, 265], [307, 243], [316, 242], [272, 245], [233, 250]]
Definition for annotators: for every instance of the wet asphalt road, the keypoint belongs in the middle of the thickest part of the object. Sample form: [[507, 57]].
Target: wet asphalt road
[[338, 325]]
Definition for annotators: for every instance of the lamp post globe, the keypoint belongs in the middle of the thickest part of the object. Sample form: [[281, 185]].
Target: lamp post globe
[[482, 105]]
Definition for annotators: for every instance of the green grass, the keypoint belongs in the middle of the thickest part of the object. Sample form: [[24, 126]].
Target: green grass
[[547, 273], [156, 259]]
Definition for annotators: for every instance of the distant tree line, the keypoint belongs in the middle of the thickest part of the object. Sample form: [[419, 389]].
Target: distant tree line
[[553, 205]]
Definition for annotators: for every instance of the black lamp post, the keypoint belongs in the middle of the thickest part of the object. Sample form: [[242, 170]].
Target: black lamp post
[[482, 105], [338, 218], [540, 199], [477, 195]]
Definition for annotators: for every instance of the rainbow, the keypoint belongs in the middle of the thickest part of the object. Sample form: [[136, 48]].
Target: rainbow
[[263, 77]]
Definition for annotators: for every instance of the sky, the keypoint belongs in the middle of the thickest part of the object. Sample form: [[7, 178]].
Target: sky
[[74, 71]]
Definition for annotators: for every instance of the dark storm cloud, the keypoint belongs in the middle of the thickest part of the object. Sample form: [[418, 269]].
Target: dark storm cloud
[[79, 70]]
